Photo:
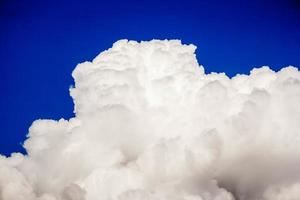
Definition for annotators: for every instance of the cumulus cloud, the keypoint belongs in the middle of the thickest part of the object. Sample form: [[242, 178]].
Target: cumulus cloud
[[151, 125]]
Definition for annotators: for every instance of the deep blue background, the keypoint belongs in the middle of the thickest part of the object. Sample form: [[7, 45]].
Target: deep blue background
[[42, 41]]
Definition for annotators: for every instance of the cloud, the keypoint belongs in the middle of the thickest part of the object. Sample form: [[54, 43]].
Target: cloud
[[151, 125]]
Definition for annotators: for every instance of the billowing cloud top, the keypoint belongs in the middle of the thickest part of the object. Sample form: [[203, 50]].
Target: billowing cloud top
[[151, 125]]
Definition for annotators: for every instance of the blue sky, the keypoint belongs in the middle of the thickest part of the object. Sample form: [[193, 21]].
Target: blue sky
[[42, 41]]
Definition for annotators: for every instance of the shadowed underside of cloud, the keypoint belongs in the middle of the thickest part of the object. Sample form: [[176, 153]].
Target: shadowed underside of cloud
[[151, 125]]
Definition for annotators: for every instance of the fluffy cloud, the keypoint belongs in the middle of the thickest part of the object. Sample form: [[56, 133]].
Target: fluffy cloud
[[151, 125]]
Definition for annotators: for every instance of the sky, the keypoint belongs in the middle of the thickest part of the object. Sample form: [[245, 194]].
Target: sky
[[41, 42]]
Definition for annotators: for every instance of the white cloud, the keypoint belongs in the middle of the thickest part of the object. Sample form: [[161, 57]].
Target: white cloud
[[151, 125]]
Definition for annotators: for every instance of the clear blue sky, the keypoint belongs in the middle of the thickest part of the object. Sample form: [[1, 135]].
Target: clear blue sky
[[42, 41]]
